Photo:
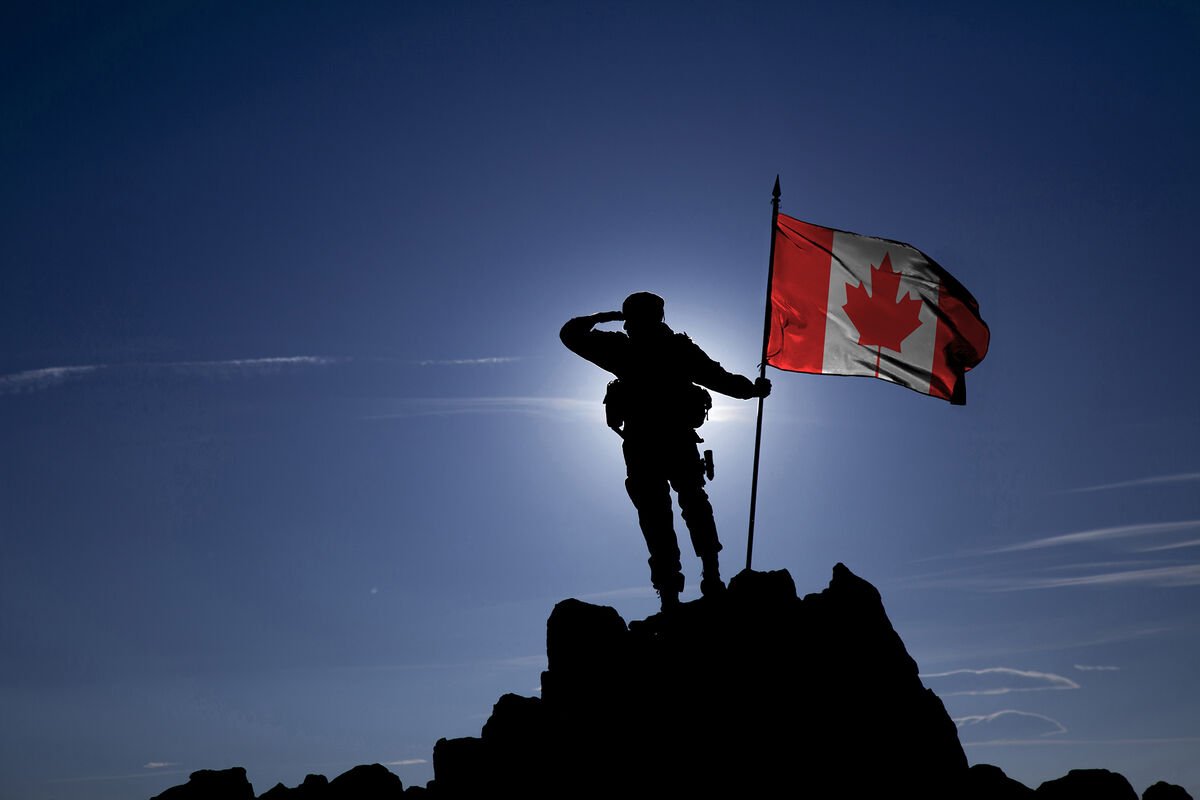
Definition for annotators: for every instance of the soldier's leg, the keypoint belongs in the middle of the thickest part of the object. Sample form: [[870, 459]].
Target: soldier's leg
[[687, 479], [649, 490]]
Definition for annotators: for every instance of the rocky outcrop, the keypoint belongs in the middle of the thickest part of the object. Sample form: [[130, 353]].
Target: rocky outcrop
[[1093, 784], [364, 782], [212, 784], [987, 782], [756, 693], [1165, 791], [751, 694], [314, 787]]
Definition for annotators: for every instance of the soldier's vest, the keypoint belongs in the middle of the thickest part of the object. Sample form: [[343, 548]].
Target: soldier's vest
[[654, 394]]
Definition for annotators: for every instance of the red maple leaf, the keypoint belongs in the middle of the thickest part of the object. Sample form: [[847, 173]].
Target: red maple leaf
[[882, 320]]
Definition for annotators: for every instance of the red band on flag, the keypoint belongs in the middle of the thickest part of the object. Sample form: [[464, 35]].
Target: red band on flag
[[962, 342], [799, 295]]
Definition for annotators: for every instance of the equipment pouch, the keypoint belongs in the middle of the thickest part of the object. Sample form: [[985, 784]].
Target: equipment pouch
[[615, 405], [698, 404]]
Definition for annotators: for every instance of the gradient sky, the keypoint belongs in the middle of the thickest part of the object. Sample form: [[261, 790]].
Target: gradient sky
[[293, 466]]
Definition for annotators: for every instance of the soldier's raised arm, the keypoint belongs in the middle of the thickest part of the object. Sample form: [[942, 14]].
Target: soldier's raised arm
[[596, 346]]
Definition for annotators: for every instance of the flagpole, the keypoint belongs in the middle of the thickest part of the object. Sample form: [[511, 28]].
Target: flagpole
[[762, 371]]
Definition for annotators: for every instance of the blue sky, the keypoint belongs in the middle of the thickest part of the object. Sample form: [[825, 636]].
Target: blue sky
[[294, 466]]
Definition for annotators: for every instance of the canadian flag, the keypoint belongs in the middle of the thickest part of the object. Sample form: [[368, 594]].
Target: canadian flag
[[847, 304]]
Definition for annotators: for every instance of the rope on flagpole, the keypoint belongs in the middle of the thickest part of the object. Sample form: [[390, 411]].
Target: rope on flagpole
[[762, 371]]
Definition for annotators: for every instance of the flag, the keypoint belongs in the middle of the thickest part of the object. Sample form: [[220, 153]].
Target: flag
[[846, 304]]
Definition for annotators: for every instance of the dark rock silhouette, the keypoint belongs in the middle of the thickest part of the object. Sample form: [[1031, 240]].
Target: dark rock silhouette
[[313, 788], [749, 693], [1165, 791], [752, 693], [1094, 784], [364, 782], [211, 784], [986, 782]]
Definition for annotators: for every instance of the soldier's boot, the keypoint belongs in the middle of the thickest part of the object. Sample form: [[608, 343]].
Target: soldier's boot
[[710, 582], [668, 591]]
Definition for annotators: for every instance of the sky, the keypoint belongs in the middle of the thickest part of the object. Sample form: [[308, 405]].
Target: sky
[[294, 466]]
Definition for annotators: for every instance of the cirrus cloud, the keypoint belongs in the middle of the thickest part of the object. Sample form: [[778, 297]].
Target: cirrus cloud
[[995, 681]]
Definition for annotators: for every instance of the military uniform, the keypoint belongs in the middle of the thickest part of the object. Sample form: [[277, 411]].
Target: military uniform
[[657, 375]]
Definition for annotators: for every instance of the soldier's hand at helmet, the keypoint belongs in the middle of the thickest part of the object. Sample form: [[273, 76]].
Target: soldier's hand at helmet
[[762, 387], [608, 316]]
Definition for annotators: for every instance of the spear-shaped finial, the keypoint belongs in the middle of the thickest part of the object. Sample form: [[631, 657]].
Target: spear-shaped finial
[[775, 193]]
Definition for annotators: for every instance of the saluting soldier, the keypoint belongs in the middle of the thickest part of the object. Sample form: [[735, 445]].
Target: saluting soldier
[[655, 404]]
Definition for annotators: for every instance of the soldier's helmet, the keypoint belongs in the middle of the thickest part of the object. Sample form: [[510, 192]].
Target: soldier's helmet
[[643, 307]]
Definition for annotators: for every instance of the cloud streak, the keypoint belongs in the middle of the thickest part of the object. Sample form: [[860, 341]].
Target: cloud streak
[[997, 680], [1157, 480], [1175, 546], [35, 380], [1161, 577], [1091, 668], [468, 362], [1171, 576], [1100, 534], [235, 365], [1009, 716]]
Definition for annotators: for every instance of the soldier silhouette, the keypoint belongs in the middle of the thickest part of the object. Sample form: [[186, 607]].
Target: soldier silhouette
[[656, 406]]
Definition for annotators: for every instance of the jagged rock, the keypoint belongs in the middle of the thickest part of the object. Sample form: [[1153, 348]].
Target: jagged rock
[[1087, 784], [1165, 791], [750, 694], [314, 787], [212, 784], [458, 768], [366, 782], [988, 782]]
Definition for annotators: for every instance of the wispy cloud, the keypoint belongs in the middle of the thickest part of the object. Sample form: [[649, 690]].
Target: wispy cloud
[[1098, 534], [996, 680], [1010, 724], [1174, 546], [1096, 668], [1163, 577], [160, 764], [1170, 576], [33, 380], [1157, 480], [448, 406], [48, 377], [406, 762], [468, 362], [242, 365]]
